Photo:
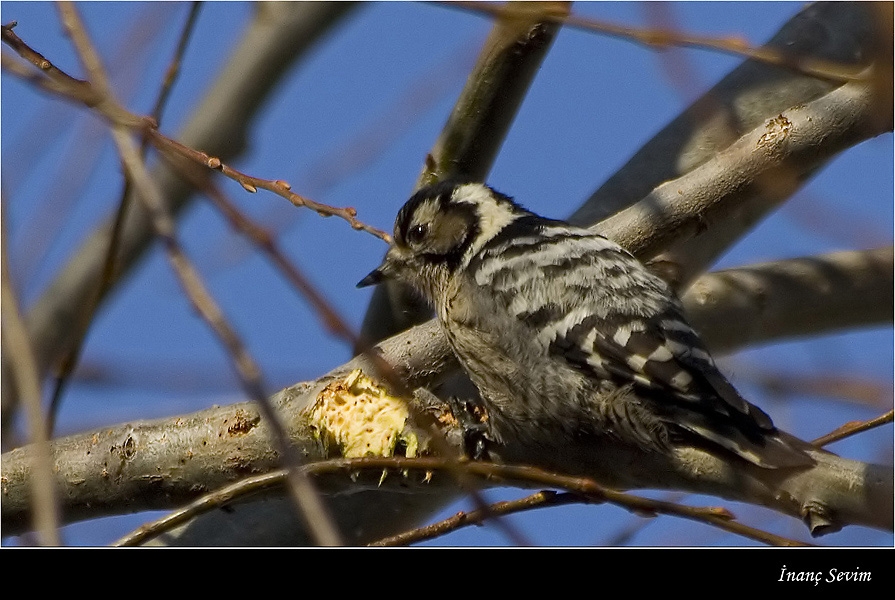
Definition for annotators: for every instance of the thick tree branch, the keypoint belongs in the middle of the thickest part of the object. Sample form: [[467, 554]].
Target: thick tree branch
[[156, 465], [723, 197], [221, 445], [755, 93], [740, 307]]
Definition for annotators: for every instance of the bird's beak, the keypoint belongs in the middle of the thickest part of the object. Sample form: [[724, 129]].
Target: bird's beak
[[375, 277], [390, 268], [385, 271]]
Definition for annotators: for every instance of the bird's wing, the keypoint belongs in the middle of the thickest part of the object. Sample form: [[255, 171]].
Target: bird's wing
[[587, 300], [662, 358]]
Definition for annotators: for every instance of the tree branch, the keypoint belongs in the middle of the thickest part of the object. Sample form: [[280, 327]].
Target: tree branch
[[853, 428], [723, 197], [155, 465], [753, 95], [760, 303]]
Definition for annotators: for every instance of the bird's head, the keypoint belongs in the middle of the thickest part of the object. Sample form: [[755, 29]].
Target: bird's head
[[439, 230]]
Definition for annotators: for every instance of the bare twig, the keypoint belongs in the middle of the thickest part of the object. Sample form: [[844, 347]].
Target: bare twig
[[26, 381], [61, 184], [277, 35], [717, 517], [267, 243], [173, 69], [107, 276], [852, 428], [312, 508], [542, 499], [55, 79], [203, 504], [251, 184], [663, 38], [586, 488], [81, 91]]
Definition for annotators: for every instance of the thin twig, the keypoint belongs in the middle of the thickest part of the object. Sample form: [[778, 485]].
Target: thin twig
[[852, 428], [542, 499], [307, 499], [590, 490], [662, 38], [201, 505], [331, 319], [80, 91], [264, 240], [107, 275], [173, 69], [76, 89], [20, 358], [251, 184]]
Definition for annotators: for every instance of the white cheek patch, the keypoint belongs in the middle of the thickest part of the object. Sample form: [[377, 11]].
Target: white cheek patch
[[493, 216]]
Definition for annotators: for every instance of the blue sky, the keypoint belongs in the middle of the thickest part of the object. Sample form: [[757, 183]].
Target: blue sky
[[332, 130]]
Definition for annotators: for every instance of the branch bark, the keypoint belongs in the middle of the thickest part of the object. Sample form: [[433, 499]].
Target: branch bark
[[765, 302], [717, 202], [852, 34]]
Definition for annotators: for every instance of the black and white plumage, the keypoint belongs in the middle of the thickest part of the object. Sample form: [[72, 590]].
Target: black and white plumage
[[565, 334]]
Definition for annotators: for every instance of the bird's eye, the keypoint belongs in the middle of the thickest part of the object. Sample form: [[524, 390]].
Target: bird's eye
[[417, 233]]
